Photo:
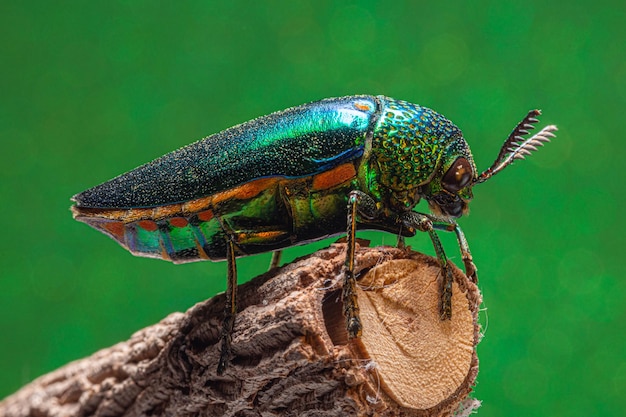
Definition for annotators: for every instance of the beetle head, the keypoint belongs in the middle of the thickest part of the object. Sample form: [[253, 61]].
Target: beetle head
[[449, 192]]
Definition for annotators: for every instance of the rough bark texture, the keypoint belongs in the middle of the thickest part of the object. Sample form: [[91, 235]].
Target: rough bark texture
[[291, 356]]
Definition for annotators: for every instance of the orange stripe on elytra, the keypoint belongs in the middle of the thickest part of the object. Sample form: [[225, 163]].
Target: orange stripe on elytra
[[162, 212], [111, 214], [197, 205], [334, 177], [136, 214], [246, 191]]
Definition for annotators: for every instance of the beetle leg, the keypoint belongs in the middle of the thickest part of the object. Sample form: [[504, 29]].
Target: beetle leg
[[445, 289], [466, 255], [423, 223], [230, 308], [275, 262], [361, 203], [350, 304]]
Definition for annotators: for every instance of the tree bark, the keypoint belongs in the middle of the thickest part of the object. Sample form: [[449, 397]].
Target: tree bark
[[290, 351]]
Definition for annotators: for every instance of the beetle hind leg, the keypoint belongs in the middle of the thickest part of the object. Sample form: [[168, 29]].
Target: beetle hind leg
[[230, 308]]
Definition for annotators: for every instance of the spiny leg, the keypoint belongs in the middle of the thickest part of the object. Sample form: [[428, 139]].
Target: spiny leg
[[423, 223], [445, 288], [350, 304], [466, 255], [364, 205], [230, 308]]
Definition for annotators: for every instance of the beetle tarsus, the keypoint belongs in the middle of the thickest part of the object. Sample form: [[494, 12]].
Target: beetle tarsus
[[351, 306], [225, 352], [470, 267]]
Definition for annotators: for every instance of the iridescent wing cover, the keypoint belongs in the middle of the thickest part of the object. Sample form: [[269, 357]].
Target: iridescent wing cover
[[296, 142]]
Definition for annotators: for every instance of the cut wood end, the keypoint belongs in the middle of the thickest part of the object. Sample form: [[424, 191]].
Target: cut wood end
[[423, 363]]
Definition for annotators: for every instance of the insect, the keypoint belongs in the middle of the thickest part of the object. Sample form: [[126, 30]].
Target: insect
[[300, 175]]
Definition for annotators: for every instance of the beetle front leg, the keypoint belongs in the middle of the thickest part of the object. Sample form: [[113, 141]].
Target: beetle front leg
[[423, 223], [230, 308], [466, 255]]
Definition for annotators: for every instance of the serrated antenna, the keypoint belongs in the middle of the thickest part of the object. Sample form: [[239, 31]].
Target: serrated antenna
[[516, 147]]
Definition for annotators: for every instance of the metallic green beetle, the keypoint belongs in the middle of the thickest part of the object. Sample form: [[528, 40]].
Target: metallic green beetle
[[286, 179]]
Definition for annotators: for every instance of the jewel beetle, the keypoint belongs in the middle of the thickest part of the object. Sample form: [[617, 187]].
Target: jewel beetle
[[299, 175]]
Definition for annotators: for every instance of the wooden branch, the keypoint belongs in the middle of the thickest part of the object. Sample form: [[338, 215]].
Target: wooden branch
[[291, 356]]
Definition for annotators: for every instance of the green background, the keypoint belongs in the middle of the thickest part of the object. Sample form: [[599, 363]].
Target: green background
[[89, 90]]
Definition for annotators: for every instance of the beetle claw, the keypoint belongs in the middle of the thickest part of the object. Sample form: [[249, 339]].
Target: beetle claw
[[354, 327]]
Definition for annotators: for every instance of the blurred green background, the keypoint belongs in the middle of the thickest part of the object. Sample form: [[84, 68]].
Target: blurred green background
[[89, 90]]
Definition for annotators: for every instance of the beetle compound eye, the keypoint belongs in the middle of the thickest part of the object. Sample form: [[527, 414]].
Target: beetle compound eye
[[458, 176]]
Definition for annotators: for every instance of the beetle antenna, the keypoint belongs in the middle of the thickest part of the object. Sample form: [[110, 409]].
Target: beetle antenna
[[515, 147]]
